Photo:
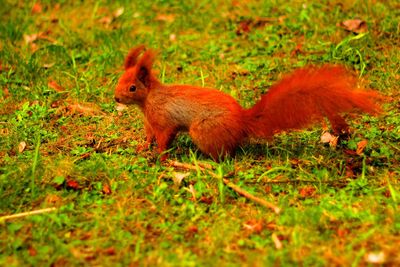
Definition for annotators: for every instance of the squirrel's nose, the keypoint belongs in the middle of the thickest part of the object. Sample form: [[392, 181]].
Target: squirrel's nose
[[117, 99]]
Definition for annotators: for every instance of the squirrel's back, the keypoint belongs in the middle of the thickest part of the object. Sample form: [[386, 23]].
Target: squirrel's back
[[185, 105]]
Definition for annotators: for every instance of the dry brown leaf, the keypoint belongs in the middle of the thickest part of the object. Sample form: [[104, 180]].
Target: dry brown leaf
[[254, 226], [53, 199], [307, 191], [376, 257], [48, 65], [109, 251], [6, 93], [192, 191], [117, 13], [87, 109], [106, 20], [329, 138], [277, 241], [207, 200], [350, 152], [342, 232], [191, 231], [165, 17], [72, 184], [120, 107], [37, 8], [32, 251], [355, 25], [83, 252], [179, 176], [21, 146], [3, 68], [297, 50], [361, 146], [30, 38], [54, 85], [106, 189], [172, 37]]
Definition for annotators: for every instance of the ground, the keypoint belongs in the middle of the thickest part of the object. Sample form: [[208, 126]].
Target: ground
[[65, 145]]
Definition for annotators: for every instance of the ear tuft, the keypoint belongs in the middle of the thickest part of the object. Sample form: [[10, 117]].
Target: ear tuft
[[144, 67], [132, 57]]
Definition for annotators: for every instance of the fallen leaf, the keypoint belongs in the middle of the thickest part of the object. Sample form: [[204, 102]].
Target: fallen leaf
[[3, 67], [165, 17], [86, 236], [6, 93], [172, 37], [297, 50], [117, 13], [192, 191], [21, 146], [120, 107], [350, 152], [109, 251], [106, 20], [83, 252], [243, 27], [72, 184], [254, 226], [87, 109], [277, 241], [53, 199], [349, 173], [387, 193], [37, 8], [207, 200], [354, 25], [307, 191], [178, 177], [106, 189], [295, 162], [342, 232], [271, 226], [329, 138], [48, 65], [268, 189], [32, 251], [361, 146], [30, 38], [54, 85], [376, 257], [191, 231]]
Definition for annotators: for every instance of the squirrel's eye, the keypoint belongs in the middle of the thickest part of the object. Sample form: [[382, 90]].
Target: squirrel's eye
[[132, 88]]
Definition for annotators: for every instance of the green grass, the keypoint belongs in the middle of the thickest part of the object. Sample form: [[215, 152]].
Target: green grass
[[118, 206]]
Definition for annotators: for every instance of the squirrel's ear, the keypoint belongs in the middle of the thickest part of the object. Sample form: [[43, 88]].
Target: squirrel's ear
[[132, 57], [144, 67]]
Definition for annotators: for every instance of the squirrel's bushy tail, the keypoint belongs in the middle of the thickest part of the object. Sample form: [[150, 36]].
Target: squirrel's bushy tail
[[307, 96]]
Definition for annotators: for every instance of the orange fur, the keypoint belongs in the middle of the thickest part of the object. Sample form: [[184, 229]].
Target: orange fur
[[215, 121]]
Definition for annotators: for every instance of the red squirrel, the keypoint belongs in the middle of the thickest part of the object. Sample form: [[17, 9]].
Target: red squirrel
[[216, 122]]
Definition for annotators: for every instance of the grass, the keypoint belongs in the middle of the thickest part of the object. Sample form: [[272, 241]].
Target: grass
[[63, 144]]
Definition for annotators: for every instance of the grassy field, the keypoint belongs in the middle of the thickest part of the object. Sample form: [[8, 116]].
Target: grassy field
[[64, 145]]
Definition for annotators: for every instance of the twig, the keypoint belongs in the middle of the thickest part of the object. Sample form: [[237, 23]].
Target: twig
[[25, 214], [231, 185], [246, 194]]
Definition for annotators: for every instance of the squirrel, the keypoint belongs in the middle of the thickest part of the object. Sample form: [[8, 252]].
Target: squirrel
[[216, 122]]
